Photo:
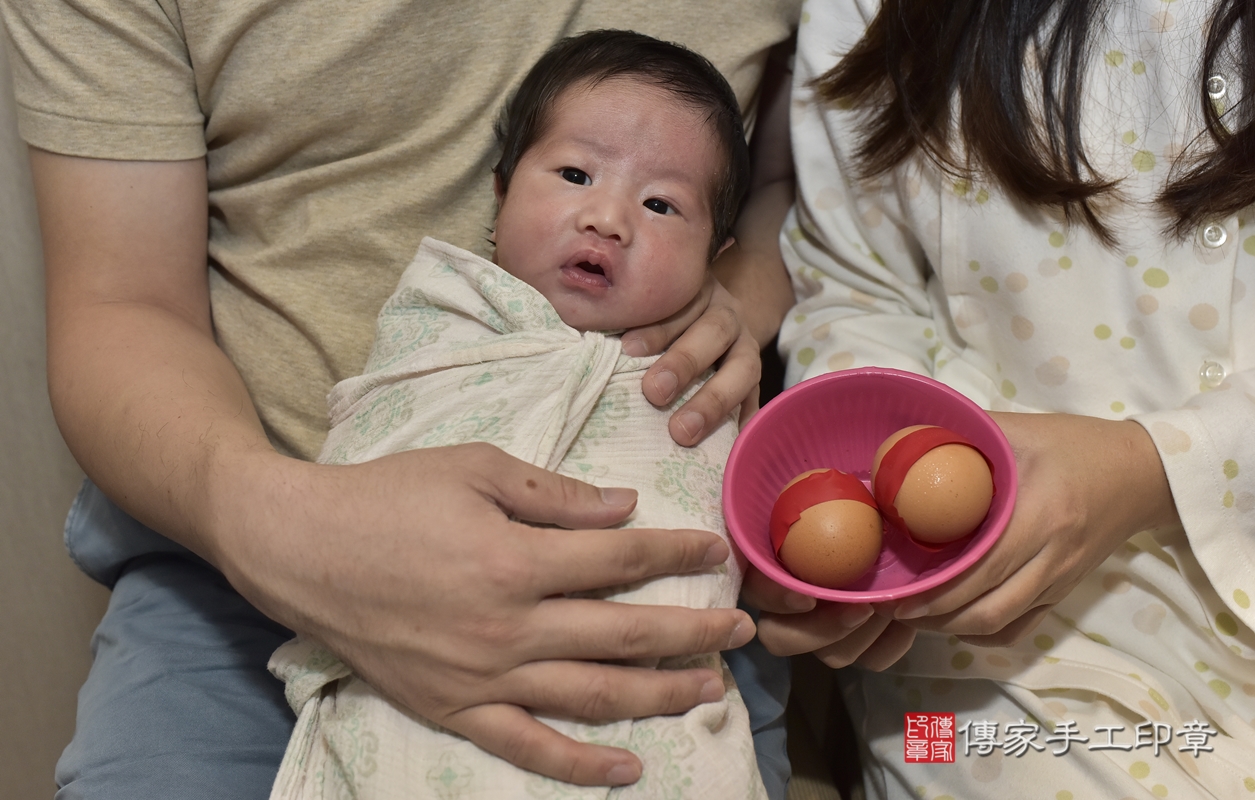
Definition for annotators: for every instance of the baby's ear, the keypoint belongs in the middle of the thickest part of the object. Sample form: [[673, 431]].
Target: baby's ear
[[726, 244]]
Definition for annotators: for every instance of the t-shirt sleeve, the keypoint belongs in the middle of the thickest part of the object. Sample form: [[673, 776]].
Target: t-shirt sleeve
[[104, 78]]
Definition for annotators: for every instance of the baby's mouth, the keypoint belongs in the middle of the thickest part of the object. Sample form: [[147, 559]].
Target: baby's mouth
[[589, 271]]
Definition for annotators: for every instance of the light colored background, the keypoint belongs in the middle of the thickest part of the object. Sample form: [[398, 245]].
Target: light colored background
[[48, 608]]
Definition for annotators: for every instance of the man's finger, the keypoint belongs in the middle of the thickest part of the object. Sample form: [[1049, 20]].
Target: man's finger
[[653, 339], [572, 628], [608, 692], [516, 736], [533, 494], [576, 561], [726, 390]]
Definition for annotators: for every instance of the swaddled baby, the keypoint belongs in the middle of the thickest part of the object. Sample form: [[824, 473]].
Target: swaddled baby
[[623, 166]]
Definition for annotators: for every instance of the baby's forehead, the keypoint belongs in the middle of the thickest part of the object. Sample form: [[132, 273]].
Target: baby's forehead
[[667, 98]]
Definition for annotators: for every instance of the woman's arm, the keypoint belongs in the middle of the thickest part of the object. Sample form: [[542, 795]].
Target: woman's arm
[[409, 568]]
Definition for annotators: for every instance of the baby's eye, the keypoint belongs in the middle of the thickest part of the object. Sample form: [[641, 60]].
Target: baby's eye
[[575, 176], [658, 206]]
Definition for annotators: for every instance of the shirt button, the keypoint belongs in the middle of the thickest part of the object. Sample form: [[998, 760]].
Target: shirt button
[[1214, 234], [1213, 374], [1216, 87]]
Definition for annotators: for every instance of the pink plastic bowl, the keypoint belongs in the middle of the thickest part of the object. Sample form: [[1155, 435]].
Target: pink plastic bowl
[[837, 421]]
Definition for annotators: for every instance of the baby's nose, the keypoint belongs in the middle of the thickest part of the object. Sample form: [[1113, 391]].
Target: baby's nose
[[607, 216]]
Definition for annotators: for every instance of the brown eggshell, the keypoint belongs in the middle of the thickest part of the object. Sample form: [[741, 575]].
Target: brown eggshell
[[946, 493], [833, 543]]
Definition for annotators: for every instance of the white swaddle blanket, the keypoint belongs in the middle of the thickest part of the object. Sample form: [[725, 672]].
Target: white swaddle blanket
[[465, 352]]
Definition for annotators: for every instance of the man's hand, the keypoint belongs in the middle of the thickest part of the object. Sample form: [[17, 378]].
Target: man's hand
[[709, 328], [438, 599]]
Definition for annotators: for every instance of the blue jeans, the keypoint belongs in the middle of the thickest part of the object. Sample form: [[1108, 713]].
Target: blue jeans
[[179, 703]]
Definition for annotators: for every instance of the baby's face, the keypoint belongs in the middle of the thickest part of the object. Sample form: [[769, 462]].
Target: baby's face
[[608, 214]]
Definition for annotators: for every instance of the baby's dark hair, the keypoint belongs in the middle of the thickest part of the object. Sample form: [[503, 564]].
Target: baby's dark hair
[[596, 56]]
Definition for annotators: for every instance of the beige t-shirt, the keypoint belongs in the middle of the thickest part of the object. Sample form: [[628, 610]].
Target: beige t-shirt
[[338, 134]]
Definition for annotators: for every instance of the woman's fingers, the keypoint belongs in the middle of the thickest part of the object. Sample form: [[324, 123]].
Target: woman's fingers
[[1014, 632], [845, 651], [765, 594], [890, 645], [826, 625]]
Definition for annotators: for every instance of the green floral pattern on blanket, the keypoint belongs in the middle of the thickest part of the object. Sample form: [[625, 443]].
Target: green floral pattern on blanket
[[355, 747], [490, 424], [407, 323], [527, 308], [690, 480], [612, 410], [450, 778]]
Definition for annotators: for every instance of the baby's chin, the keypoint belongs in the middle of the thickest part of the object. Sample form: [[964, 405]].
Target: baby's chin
[[605, 315], [584, 322]]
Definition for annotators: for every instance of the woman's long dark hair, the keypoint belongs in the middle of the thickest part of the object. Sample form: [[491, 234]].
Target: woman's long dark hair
[[918, 56]]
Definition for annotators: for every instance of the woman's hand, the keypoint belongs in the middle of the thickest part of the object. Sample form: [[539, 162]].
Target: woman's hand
[[710, 328], [1085, 486], [838, 634]]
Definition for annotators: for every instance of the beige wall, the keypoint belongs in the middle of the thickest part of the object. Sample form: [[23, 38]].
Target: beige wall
[[47, 607]]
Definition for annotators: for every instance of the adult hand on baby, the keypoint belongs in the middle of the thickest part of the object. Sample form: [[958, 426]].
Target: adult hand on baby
[[709, 328], [1085, 486], [839, 634], [444, 603]]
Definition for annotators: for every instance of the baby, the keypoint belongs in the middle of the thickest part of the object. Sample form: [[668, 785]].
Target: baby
[[623, 167]]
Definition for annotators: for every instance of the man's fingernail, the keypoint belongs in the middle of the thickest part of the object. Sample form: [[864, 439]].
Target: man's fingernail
[[741, 634], [621, 774], [853, 616], [910, 612], [619, 498], [715, 555], [634, 347], [691, 423], [665, 382], [712, 690], [797, 601]]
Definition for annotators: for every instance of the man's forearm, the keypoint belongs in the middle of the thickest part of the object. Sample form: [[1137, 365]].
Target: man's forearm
[[757, 276]]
